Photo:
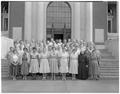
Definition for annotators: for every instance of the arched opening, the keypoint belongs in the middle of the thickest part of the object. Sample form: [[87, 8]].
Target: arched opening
[[58, 20]]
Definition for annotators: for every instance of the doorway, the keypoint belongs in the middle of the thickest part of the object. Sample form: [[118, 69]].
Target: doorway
[[58, 36], [58, 20]]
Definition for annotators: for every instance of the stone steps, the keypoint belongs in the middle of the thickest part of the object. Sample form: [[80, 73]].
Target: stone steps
[[109, 77], [109, 70], [109, 60], [109, 66], [108, 57], [4, 68]]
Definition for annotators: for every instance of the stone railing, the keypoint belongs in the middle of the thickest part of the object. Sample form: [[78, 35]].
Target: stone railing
[[112, 46], [6, 43], [5, 33]]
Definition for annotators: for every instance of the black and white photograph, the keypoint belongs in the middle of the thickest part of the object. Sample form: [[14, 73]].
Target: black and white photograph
[[59, 46]]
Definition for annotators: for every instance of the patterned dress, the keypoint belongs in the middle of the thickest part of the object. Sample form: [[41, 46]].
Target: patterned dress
[[25, 66], [20, 52], [73, 63], [53, 62], [9, 58], [34, 65], [64, 62], [94, 65], [44, 64]]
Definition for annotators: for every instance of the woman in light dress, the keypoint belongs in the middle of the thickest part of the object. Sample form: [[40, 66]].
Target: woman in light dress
[[44, 64], [59, 51], [15, 61], [53, 62], [73, 63], [34, 65], [64, 63]]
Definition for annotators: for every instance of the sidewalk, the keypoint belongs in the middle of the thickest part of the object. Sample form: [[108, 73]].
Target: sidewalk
[[80, 86]]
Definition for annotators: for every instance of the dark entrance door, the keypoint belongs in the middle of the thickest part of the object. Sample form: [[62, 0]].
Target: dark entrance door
[[58, 36]]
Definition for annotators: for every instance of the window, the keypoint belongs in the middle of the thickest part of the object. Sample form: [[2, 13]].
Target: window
[[58, 15], [4, 15], [109, 26], [112, 17]]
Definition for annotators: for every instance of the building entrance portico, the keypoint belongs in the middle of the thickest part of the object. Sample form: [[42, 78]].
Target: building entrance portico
[[78, 20], [74, 19]]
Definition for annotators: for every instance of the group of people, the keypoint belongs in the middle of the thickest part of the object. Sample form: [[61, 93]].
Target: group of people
[[79, 58]]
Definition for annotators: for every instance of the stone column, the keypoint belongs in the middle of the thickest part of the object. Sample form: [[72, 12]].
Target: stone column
[[76, 15], [34, 20], [83, 20], [44, 24], [86, 25], [72, 20], [41, 30], [89, 22], [28, 21]]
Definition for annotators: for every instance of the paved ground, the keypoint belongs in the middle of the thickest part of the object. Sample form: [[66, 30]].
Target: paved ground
[[88, 86]]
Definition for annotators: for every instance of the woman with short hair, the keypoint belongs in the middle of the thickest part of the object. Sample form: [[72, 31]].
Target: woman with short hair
[[44, 64], [73, 63], [95, 63], [34, 65], [53, 62], [9, 58], [15, 59], [64, 63], [25, 62]]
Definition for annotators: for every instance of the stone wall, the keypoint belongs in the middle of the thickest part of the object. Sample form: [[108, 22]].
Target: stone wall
[[16, 18], [113, 46]]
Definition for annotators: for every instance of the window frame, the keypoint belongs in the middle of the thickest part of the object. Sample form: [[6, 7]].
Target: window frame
[[3, 31], [67, 14]]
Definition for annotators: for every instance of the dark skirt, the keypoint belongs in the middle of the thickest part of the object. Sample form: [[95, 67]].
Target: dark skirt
[[94, 68], [24, 68], [18, 70], [10, 70], [14, 70], [82, 72]]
